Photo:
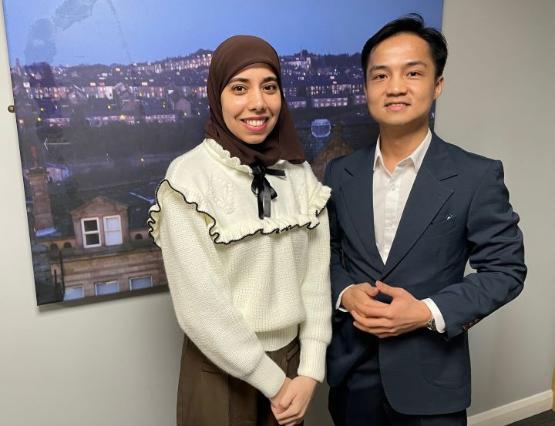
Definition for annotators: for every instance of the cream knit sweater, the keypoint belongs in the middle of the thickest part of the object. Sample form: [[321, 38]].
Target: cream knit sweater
[[241, 285]]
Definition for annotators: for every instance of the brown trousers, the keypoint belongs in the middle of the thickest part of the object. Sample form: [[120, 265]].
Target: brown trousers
[[207, 396]]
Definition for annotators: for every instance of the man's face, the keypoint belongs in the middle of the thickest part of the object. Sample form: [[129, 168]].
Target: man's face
[[401, 84]]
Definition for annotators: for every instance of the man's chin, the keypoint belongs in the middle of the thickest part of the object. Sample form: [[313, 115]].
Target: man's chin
[[404, 124]]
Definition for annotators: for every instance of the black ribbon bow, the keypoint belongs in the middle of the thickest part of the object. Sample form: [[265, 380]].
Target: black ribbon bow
[[262, 188]]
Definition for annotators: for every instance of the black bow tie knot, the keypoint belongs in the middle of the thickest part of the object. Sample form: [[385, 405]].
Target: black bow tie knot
[[262, 188]]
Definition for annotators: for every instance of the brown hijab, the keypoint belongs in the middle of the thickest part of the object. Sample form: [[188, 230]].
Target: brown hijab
[[230, 57]]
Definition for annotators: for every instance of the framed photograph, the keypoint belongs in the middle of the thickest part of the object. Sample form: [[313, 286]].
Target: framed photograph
[[108, 92]]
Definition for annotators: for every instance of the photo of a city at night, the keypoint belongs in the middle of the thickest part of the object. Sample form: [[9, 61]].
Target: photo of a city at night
[[107, 93]]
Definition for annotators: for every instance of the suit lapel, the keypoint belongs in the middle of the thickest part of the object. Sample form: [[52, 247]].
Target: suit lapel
[[427, 196], [357, 195]]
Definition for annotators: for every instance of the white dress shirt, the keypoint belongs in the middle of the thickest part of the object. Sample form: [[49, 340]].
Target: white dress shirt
[[390, 193]]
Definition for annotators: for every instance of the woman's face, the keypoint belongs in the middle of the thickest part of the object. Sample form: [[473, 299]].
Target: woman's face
[[251, 103]]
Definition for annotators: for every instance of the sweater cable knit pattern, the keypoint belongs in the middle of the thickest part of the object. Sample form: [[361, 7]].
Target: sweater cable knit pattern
[[240, 285]]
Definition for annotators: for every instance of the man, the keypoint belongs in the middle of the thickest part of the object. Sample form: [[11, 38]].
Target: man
[[405, 216]]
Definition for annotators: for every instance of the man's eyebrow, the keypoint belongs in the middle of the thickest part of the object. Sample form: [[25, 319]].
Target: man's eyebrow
[[378, 68], [414, 63], [406, 65]]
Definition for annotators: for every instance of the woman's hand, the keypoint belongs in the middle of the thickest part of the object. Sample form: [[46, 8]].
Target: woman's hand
[[291, 407], [275, 400]]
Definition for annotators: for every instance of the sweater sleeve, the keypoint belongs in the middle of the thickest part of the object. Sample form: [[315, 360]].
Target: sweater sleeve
[[315, 331], [201, 293]]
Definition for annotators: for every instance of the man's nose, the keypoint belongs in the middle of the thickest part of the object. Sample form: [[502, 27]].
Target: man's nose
[[396, 85]]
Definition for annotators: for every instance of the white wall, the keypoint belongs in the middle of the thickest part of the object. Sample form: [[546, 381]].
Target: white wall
[[499, 101], [104, 364], [116, 363]]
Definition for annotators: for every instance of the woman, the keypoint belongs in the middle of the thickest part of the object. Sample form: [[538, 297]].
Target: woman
[[246, 252]]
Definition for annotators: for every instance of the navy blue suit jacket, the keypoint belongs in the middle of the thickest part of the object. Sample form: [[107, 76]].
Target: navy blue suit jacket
[[458, 210]]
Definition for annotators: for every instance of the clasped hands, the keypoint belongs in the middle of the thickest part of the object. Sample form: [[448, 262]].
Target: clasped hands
[[405, 313], [291, 402]]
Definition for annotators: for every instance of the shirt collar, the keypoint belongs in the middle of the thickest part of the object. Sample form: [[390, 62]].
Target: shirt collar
[[416, 157]]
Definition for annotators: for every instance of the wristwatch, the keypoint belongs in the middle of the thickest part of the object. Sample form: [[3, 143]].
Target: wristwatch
[[431, 324]]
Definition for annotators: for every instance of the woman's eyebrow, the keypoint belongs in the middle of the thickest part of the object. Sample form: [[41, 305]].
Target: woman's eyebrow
[[239, 79], [246, 80]]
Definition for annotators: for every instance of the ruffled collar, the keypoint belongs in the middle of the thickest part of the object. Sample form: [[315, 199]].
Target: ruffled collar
[[229, 217]]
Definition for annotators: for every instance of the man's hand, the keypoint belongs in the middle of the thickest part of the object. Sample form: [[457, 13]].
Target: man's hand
[[359, 298], [403, 314], [291, 407]]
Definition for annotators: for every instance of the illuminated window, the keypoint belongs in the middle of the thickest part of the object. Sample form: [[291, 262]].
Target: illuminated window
[[112, 230], [74, 292], [108, 287], [140, 283]]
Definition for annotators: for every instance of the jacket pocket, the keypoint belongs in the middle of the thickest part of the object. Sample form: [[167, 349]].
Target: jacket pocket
[[445, 363], [442, 225]]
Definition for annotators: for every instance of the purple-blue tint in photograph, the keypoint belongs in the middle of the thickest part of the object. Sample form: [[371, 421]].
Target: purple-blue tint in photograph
[[108, 92]]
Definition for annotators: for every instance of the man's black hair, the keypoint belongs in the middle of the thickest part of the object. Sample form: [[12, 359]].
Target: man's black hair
[[414, 24]]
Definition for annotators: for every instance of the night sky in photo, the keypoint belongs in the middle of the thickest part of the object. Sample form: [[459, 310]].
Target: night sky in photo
[[71, 32]]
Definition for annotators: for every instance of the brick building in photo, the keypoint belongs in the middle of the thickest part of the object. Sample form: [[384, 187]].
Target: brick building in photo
[[97, 247]]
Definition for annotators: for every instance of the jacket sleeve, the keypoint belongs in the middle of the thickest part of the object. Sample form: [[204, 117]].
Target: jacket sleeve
[[201, 294], [340, 277], [496, 255], [315, 330]]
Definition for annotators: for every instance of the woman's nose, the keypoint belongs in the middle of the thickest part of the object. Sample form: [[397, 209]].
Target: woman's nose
[[256, 100]]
